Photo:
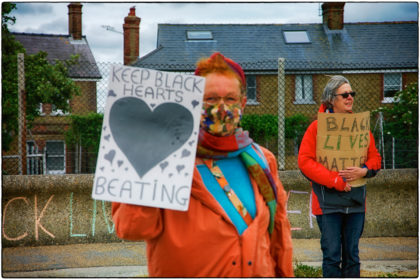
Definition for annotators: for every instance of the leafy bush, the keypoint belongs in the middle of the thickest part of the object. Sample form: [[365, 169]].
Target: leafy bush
[[86, 131], [295, 126], [260, 127], [266, 125]]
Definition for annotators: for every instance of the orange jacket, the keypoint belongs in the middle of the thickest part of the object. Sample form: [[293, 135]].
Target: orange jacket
[[202, 242]]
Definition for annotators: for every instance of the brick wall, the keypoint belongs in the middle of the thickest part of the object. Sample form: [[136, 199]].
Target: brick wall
[[369, 88], [86, 102]]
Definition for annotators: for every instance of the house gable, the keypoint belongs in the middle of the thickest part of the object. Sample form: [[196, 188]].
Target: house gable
[[62, 47]]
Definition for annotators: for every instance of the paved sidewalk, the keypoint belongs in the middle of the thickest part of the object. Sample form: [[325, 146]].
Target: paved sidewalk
[[379, 256], [127, 259]]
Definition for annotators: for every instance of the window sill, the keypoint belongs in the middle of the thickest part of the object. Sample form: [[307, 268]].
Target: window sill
[[252, 102], [388, 100], [54, 114], [59, 113], [56, 172], [304, 102]]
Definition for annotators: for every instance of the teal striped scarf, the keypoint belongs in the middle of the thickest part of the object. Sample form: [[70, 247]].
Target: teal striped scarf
[[241, 145]]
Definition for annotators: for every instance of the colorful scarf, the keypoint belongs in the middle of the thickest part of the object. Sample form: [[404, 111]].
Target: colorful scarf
[[239, 144]]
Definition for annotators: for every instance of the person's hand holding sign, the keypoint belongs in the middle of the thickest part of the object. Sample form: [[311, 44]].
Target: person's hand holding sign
[[353, 173]]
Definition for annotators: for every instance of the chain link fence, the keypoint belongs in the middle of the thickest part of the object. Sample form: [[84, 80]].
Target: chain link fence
[[282, 102]]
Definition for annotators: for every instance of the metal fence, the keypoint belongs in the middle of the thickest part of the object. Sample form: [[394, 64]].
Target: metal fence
[[282, 102]]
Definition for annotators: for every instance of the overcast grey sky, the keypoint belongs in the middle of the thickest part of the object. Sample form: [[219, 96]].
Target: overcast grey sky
[[107, 46]]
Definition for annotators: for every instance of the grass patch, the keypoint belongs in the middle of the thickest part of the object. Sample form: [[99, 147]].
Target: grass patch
[[306, 271], [398, 274], [302, 270]]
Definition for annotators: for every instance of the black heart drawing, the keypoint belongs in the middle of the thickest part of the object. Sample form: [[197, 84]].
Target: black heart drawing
[[194, 103], [110, 156], [147, 137], [163, 165], [185, 153], [179, 168]]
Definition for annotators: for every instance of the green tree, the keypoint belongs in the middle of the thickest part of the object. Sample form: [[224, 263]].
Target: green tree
[[401, 118], [401, 129], [45, 82]]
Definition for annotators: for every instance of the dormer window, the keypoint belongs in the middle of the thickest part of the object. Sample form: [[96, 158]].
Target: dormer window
[[199, 35], [296, 37]]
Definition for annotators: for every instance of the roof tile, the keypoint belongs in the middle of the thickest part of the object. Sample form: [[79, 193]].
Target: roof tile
[[357, 46]]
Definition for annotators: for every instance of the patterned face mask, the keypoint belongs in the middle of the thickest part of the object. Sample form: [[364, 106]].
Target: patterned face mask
[[221, 119]]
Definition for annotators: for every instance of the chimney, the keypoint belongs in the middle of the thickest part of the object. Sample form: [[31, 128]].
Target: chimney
[[75, 20], [333, 15], [131, 29]]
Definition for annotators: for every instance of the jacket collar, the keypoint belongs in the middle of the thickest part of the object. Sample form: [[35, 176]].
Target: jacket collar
[[324, 109]]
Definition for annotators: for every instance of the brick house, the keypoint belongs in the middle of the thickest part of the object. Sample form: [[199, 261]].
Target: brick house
[[378, 58], [47, 152]]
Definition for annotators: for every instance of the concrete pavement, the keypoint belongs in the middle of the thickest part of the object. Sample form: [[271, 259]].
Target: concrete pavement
[[380, 256]]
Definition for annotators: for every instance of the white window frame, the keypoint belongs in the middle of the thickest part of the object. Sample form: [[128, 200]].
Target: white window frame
[[251, 88], [55, 171], [54, 112], [58, 112], [389, 86], [199, 35], [296, 37], [41, 112], [304, 91], [32, 152]]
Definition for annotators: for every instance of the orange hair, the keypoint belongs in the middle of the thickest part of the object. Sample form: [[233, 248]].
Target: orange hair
[[217, 64]]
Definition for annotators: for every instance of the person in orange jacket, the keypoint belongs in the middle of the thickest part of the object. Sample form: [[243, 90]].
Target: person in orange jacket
[[236, 224], [339, 208]]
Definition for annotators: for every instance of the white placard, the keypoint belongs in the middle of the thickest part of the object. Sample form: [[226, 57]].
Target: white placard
[[149, 138]]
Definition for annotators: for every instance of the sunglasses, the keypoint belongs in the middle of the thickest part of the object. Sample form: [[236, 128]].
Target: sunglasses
[[346, 95]]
